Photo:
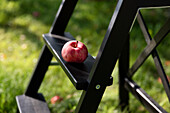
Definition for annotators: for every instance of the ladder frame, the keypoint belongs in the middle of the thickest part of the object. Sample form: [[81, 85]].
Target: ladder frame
[[114, 46]]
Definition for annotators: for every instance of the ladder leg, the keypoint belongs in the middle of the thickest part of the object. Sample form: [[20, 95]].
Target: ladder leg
[[90, 99], [123, 70], [39, 72], [106, 60]]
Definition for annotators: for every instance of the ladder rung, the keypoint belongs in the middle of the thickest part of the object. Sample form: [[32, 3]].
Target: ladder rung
[[54, 63]]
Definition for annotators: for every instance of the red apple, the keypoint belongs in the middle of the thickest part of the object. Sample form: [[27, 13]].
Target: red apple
[[74, 51], [56, 99]]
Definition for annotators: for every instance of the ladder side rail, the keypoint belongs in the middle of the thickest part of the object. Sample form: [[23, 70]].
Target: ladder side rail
[[39, 72], [62, 17], [107, 57], [123, 70]]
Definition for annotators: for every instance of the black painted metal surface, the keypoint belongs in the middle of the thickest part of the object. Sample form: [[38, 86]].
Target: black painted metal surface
[[77, 72], [28, 104], [123, 70], [62, 17], [39, 72], [155, 55], [150, 47], [151, 105]]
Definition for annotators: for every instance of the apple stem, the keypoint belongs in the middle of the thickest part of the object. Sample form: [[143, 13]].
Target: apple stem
[[76, 43]]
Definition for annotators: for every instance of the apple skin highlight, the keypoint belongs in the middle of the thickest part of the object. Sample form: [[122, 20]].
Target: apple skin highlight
[[74, 51]]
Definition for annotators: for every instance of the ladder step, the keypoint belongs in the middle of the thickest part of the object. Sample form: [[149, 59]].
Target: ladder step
[[28, 104], [77, 72]]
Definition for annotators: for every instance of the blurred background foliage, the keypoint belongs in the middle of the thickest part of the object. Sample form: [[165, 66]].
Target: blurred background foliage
[[22, 23]]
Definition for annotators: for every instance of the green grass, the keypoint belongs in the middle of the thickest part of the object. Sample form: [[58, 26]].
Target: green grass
[[21, 43]]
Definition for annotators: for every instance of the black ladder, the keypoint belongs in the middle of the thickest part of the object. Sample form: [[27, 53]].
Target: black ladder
[[94, 75]]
